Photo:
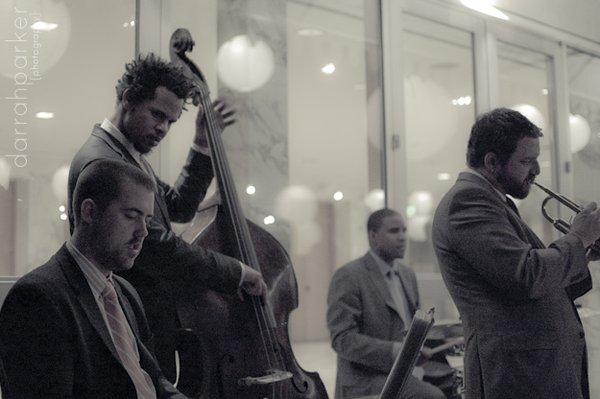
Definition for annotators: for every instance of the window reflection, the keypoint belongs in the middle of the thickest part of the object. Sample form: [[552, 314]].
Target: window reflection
[[439, 110], [73, 70], [524, 84]]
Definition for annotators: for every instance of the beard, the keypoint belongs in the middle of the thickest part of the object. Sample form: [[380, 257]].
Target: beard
[[515, 188]]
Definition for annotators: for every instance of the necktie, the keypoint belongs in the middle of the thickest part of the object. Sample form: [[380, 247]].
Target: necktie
[[125, 344], [512, 206], [399, 296]]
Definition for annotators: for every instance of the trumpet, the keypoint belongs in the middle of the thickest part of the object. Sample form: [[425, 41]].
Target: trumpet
[[560, 224]]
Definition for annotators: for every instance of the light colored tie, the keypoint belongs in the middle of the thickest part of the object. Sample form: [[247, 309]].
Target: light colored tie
[[125, 344], [399, 296]]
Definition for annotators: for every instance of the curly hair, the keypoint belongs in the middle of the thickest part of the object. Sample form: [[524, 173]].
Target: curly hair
[[498, 131], [145, 73]]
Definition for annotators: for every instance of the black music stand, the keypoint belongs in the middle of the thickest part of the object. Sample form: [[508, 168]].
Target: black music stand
[[406, 359]]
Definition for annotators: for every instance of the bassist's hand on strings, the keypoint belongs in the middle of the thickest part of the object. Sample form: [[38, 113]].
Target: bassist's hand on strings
[[224, 114], [252, 282]]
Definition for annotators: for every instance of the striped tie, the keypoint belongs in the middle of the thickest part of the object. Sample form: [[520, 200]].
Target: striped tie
[[125, 344]]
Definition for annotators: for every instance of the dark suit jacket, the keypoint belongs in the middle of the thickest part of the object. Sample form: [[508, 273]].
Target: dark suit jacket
[[54, 342], [166, 264], [364, 324], [523, 336]]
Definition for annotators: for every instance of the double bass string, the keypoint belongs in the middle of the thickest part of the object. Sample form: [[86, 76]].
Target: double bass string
[[239, 227]]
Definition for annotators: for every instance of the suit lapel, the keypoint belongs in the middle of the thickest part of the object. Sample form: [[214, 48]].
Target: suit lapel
[[126, 155], [84, 294], [381, 287]]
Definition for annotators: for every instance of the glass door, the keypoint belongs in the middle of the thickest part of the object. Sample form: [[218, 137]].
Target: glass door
[[525, 81]]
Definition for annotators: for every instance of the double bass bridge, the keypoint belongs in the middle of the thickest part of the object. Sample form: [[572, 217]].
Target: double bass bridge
[[272, 377]]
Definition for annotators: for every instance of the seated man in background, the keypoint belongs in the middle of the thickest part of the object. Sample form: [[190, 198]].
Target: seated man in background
[[72, 328], [371, 303]]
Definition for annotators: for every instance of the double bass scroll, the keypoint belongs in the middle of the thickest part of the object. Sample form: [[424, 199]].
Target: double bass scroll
[[232, 348]]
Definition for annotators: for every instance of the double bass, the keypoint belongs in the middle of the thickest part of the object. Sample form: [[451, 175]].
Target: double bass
[[233, 348]]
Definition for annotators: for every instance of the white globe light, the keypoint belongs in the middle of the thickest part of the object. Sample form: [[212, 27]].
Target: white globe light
[[422, 202], [580, 132], [60, 182], [532, 113], [296, 204], [49, 13], [424, 139], [375, 199], [244, 66], [4, 173]]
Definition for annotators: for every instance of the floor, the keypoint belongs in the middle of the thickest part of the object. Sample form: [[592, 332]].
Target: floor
[[319, 357]]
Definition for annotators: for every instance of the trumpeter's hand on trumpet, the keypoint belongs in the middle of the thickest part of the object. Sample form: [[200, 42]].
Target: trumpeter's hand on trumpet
[[586, 225]]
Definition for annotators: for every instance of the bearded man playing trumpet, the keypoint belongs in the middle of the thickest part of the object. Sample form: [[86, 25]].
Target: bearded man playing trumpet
[[524, 338]]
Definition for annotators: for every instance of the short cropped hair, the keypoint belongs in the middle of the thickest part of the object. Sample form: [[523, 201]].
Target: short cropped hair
[[145, 73], [376, 218], [102, 180], [498, 131]]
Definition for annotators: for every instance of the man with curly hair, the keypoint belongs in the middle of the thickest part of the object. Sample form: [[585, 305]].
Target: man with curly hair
[[150, 97]]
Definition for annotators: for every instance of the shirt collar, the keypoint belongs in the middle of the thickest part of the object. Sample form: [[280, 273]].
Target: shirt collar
[[476, 173], [383, 266], [95, 278], [116, 133]]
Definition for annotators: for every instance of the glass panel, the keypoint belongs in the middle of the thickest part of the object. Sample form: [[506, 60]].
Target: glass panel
[[439, 100], [584, 95], [306, 152], [57, 78], [524, 84]]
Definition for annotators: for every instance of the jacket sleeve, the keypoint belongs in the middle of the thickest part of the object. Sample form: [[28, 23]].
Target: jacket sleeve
[[344, 317], [184, 196], [35, 345], [482, 234], [167, 257]]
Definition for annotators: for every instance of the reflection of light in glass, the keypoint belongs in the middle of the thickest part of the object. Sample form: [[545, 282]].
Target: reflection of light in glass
[[61, 208], [486, 7], [410, 210], [580, 132], [245, 66], [59, 183], [296, 204], [422, 202], [132, 23], [44, 18], [338, 196], [443, 176], [375, 199], [44, 115], [466, 100], [4, 173], [328, 69], [269, 219], [545, 92], [43, 25], [250, 190], [310, 32], [63, 216], [532, 113]]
